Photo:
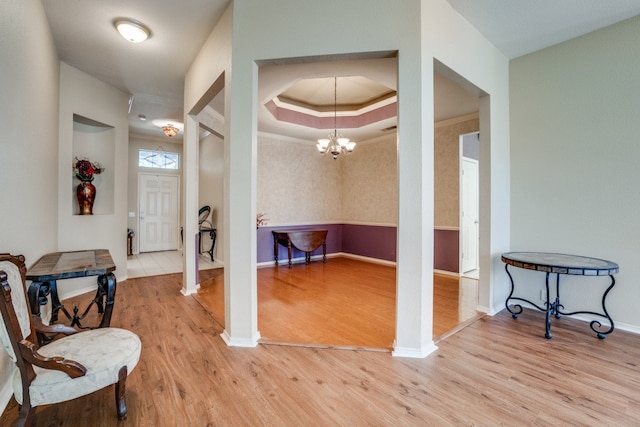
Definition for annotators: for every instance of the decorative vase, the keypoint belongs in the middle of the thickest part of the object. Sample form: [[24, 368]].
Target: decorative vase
[[86, 194]]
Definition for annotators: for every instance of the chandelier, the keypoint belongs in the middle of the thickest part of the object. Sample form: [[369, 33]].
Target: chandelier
[[335, 144], [170, 130]]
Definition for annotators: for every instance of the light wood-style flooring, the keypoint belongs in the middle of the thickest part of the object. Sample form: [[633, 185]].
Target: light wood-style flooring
[[496, 371], [343, 303]]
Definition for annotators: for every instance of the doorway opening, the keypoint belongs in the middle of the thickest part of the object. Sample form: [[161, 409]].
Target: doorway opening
[[470, 204]]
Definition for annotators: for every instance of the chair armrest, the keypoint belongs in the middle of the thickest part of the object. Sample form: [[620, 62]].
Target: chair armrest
[[51, 329], [70, 367]]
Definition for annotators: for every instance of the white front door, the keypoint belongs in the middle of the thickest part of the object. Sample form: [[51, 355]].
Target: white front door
[[470, 214], [158, 212]]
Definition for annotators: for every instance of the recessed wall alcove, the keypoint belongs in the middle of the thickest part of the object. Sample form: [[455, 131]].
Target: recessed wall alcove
[[95, 141]]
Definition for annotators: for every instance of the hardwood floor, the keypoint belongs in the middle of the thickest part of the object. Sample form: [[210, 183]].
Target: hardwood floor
[[344, 303], [496, 371]]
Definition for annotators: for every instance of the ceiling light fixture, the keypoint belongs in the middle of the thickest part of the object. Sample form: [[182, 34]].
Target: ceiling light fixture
[[336, 144], [132, 30], [170, 127], [170, 130]]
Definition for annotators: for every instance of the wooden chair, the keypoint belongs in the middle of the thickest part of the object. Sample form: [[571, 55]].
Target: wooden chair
[[72, 366]]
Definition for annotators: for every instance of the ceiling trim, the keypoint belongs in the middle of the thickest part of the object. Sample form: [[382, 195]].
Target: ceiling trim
[[455, 120]]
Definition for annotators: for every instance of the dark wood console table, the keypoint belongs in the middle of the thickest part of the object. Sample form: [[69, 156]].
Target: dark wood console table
[[52, 267], [306, 241], [558, 264]]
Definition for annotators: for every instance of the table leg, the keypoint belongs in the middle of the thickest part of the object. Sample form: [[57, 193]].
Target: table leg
[[289, 252], [103, 300], [56, 305], [324, 252], [275, 250], [106, 288], [517, 307], [556, 304], [548, 311], [601, 334], [38, 293], [212, 235]]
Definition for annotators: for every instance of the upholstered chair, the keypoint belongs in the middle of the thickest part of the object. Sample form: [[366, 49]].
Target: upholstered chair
[[72, 366]]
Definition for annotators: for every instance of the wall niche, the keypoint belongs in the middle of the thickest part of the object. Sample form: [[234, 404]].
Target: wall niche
[[94, 141]]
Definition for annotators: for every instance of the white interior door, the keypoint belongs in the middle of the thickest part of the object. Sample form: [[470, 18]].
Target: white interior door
[[158, 212], [470, 214]]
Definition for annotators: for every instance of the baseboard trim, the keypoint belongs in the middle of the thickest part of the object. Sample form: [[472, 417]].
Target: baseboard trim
[[414, 352], [240, 342], [446, 273], [367, 259], [186, 292], [301, 260]]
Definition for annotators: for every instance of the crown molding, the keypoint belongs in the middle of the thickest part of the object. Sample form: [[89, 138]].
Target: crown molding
[[455, 120]]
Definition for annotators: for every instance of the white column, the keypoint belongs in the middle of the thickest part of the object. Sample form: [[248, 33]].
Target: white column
[[239, 210], [190, 204], [414, 313]]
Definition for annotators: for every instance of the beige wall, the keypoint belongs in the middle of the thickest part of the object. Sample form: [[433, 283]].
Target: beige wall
[[29, 90], [575, 155], [447, 170], [107, 228]]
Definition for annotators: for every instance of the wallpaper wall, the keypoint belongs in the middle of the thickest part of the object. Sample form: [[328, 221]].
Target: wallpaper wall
[[297, 185], [370, 183], [446, 167]]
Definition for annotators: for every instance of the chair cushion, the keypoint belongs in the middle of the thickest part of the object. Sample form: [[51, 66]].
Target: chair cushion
[[102, 351], [19, 305]]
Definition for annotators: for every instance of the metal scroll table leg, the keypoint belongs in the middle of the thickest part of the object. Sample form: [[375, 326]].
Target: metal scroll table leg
[[556, 305], [595, 323], [212, 235], [38, 293], [106, 288], [549, 309], [517, 307]]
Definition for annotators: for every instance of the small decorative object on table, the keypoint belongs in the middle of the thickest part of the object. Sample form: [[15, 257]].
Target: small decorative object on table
[[84, 170]]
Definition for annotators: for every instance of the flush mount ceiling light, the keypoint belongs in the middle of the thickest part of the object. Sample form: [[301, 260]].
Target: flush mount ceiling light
[[131, 30], [170, 130], [170, 127]]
